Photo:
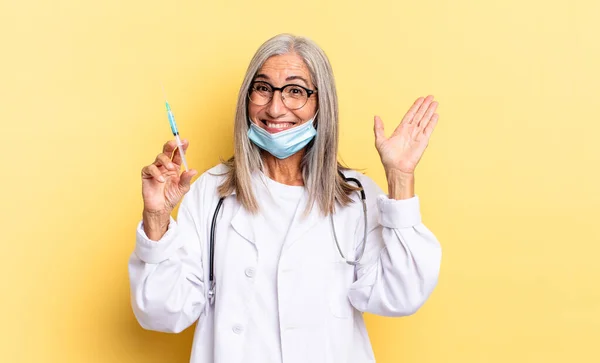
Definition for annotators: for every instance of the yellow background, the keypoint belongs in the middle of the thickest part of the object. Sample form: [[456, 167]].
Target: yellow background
[[508, 183]]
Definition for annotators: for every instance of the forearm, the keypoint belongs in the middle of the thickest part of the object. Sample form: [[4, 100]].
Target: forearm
[[400, 185], [167, 296], [165, 272], [402, 277], [401, 263]]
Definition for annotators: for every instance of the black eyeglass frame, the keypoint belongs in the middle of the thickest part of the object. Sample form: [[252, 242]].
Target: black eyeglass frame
[[309, 92]]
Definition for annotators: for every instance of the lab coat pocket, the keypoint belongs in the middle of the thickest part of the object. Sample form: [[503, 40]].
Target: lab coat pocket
[[339, 304]]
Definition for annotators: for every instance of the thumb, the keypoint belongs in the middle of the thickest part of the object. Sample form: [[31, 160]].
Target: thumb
[[379, 130], [186, 179]]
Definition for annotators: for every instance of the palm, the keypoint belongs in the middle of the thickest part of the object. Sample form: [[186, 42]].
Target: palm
[[403, 150], [162, 196]]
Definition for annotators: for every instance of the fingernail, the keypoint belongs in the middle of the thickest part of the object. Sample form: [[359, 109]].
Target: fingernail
[[171, 166], [161, 179]]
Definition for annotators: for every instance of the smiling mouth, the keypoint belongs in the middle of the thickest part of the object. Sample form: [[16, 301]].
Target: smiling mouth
[[277, 126]]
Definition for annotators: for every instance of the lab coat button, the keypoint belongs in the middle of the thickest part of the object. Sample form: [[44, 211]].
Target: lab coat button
[[250, 272], [238, 329]]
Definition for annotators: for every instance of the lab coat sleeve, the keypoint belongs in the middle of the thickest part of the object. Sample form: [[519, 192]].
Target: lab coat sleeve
[[402, 258], [166, 276]]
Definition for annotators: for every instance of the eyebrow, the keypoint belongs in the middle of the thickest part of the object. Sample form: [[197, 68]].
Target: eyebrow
[[290, 78]]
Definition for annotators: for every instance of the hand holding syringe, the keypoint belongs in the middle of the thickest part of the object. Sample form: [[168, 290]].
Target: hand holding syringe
[[163, 185]]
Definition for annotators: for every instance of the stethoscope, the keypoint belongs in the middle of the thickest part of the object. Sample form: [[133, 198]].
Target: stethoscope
[[211, 276]]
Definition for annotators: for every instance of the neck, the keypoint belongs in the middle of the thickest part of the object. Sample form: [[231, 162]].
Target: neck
[[284, 171]]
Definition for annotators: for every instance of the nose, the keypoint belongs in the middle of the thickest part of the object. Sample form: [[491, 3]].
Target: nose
[[276, 108]]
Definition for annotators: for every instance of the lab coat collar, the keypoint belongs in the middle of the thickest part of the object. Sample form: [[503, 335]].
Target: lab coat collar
[[243, 223]]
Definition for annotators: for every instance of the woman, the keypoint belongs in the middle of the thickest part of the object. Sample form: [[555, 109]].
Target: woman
[[296, 258]]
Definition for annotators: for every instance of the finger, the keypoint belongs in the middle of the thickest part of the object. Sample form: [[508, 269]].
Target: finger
[[169, 146], [164, 160], [412, 110], [422, 109], [408, 119], [379, 131], [427, 117], [186, 179], [429, 129], [151, 172], [185, 144], [176, 155]]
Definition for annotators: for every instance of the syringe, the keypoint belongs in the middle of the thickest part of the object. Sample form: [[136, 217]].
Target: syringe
[[175, 132]]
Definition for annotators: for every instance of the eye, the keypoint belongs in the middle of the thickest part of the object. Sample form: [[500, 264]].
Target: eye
[[296, 91], [261, 87]]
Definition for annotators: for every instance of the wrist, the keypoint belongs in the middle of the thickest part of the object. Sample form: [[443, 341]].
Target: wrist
[[401, 185], [155, 223]]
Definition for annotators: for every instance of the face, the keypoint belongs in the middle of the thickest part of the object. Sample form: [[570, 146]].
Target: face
[[279, 71]]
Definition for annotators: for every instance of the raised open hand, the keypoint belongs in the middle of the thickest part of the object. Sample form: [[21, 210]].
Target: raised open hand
[[402, 151]]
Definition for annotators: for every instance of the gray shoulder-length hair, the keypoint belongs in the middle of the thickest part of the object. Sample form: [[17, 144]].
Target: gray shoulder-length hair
[[320, 167]]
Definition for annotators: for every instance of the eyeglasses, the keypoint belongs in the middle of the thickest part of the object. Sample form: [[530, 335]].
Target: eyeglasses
[[293, 96]]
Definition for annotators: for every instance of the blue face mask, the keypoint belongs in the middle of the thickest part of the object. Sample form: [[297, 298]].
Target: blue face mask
[[283, 144]]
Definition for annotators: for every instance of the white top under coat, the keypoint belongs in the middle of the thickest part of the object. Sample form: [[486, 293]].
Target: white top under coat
[[320, 298], [278, 204]]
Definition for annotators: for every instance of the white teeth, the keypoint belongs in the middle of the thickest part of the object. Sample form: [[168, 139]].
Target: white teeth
[[279, 125]]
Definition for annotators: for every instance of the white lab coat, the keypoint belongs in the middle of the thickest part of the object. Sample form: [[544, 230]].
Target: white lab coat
[[321, 298]]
